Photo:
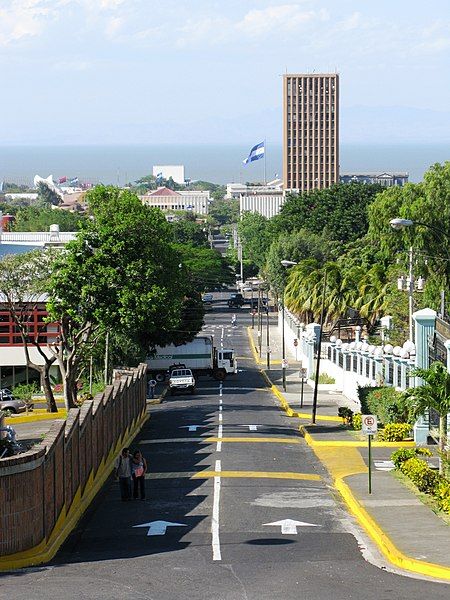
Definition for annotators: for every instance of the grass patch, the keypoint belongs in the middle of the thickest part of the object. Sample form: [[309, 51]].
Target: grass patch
[[426, 499], [325, 378]]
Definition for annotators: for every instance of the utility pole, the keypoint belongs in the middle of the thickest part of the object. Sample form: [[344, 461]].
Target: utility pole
[[106, 357], [319, 350], [268, 335]]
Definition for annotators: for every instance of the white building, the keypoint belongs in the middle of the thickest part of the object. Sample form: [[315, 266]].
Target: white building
[[169, 200], [267, 204], [168, 171], [235, 190]]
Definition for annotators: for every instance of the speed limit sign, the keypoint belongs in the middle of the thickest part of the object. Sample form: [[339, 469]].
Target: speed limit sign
[[369, 424]]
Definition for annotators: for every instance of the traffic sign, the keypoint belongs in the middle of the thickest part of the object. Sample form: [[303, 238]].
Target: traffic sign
[[369, 424], [295, 342], [152, 383], [284, 363]]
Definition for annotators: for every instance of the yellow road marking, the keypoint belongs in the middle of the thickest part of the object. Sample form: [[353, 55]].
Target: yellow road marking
[[267, 440], [257, 475]]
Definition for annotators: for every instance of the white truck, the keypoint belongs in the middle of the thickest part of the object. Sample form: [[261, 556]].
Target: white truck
[[200, 355], [181, 380]]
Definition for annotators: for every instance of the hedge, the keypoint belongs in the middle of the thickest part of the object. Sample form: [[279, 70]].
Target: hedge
[[389, 405]]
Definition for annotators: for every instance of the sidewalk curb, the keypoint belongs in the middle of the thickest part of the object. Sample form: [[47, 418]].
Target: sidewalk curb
[[371, 527], [256, 357], [61, 414], [384, 543]]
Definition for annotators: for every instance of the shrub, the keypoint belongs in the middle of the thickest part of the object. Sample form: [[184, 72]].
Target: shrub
[[394, 432], [420, 474], [389, 405], [346, 414], [325, 378], [402, 454], [442, 494], [357, 421]]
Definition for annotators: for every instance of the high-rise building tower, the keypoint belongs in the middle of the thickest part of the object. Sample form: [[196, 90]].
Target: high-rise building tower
[[310, 131]]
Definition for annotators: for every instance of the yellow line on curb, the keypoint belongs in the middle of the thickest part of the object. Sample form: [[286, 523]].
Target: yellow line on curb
[[61, 414], [350, 444], [256, 357], [390, 551], [257, 475]]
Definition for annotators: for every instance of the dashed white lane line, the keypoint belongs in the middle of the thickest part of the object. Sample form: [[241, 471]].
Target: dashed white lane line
[[219, 441], [215, 516], [220, 416]]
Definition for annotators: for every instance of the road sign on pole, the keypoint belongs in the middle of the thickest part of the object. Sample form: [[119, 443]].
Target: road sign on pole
[[369, 424], [369, 428], [284, 363]]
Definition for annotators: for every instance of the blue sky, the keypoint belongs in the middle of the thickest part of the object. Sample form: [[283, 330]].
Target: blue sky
[[96, 71]]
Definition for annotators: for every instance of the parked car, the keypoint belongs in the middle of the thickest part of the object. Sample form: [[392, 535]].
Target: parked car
[[11, 404]]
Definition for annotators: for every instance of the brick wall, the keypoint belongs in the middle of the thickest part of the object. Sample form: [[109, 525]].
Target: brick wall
[[35, 487]]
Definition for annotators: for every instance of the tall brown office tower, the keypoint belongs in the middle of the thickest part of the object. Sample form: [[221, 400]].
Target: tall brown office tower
[[310, 131]]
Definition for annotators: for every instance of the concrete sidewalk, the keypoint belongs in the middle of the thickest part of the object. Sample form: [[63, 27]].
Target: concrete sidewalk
[[409, 534]]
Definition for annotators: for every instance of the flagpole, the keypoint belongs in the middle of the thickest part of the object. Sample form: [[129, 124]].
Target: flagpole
[[265, 161]]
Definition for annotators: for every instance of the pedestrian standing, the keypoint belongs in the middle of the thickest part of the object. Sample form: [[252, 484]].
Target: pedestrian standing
[[123, 474], [139, 469]]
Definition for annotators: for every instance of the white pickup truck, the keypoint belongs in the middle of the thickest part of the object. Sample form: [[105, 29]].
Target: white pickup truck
[[181, 380]]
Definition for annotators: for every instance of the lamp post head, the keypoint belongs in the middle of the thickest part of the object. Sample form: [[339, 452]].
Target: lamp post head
[[401, 223], [288, 263]]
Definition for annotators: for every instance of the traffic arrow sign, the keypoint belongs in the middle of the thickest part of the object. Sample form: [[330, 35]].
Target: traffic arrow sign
[[191, 427], [289, 526], [159, 527]]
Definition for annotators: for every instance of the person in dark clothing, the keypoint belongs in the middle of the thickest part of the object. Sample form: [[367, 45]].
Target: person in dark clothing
[[123, 474]]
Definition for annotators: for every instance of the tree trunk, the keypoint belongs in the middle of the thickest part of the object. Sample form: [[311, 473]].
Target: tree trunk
[[46, 384], [442, 440]]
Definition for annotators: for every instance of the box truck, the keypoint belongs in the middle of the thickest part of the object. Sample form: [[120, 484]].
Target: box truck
[[200, 355]]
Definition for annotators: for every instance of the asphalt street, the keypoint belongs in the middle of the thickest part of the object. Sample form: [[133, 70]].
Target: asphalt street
[[237, 507]]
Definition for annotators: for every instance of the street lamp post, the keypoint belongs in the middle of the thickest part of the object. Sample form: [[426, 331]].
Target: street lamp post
[[268, 334], [319, 351], [403, 224]]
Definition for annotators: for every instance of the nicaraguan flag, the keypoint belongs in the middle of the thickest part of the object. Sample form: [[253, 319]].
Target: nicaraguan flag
[[74, 181], [256, 153]]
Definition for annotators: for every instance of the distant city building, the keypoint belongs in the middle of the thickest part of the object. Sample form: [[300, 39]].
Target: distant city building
[[169, 200], [385, 179], [310, 131], [266, 203], [235, 190], [168, 171]]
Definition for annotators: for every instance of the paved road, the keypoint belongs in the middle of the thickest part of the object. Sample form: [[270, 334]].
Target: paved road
[[224, 496]]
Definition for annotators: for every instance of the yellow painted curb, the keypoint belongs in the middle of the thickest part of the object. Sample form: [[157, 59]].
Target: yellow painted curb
[[61, 414], [350, 444], [349, 462], [68, 519], [256, 357], [390, 551]]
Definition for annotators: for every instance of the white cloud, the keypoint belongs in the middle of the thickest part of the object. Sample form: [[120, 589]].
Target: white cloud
[[285, 17], [23, 19]]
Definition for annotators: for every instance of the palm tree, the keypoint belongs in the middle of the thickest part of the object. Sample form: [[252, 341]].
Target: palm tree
[[373, 292], [435, 394]]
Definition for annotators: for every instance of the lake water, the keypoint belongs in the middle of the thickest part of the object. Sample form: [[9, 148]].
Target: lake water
[[117, 164]]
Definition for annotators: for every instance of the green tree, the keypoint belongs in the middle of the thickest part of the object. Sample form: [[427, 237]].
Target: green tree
[[23, 282], [186, 231], [338, 212], [256, 236], [206, 267], [34, 218], [121, 274], [47, 196], [224, 211], [295, 246], [426, 202], [435, 394]]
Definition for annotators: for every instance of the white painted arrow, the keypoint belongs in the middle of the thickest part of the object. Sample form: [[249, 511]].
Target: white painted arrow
[[289, 526], [191, 427], [159, 527]]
